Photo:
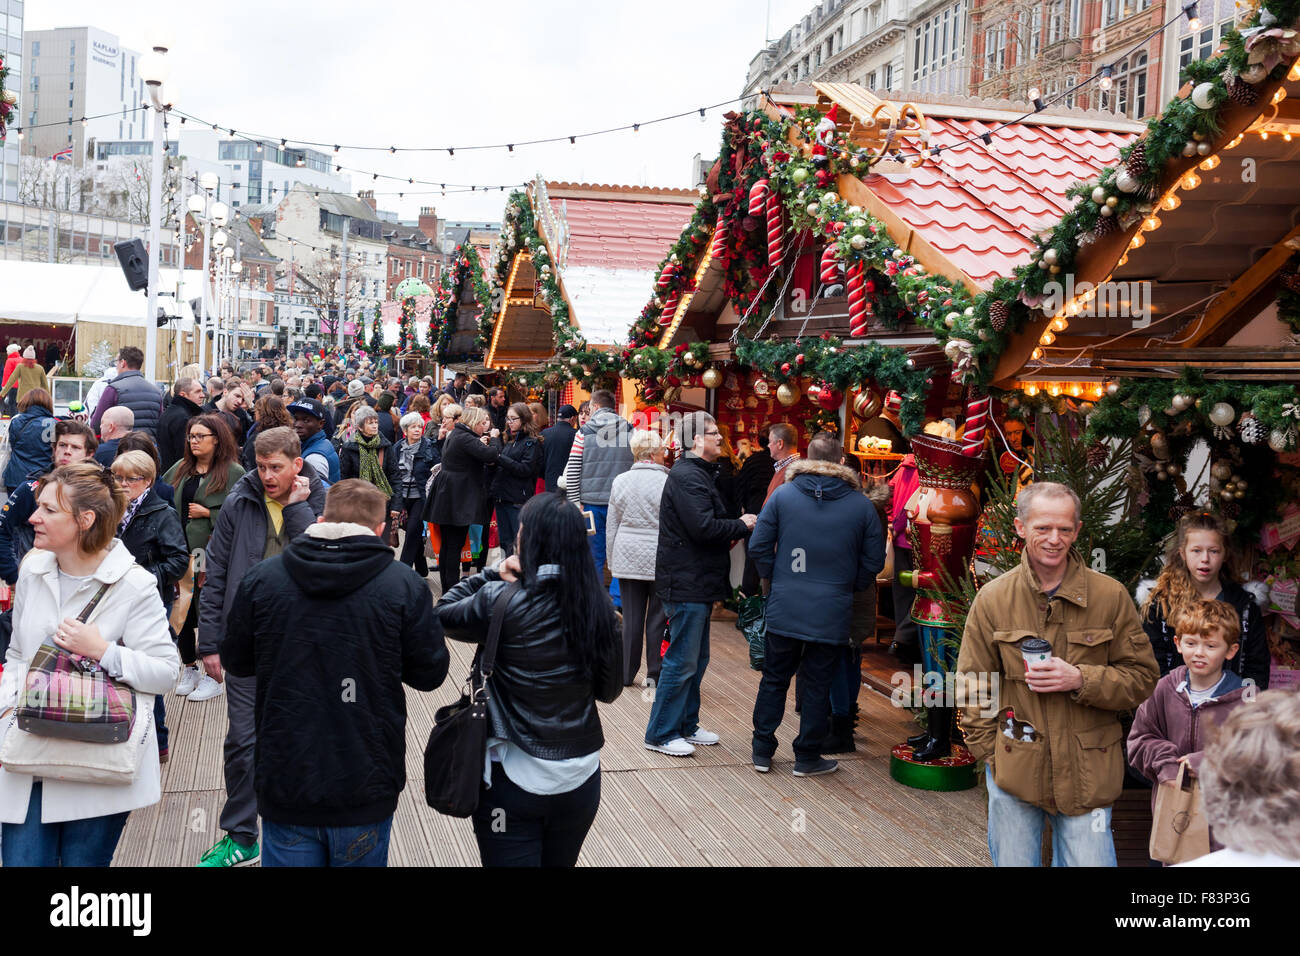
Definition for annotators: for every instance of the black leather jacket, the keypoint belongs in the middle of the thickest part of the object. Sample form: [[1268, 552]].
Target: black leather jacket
[[540, 699]]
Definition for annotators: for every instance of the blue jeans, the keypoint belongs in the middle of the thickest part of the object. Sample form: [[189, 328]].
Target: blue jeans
[[597, 542], [88, 842], [1016, 833], [846, 680], [288, 844], [676, 710]]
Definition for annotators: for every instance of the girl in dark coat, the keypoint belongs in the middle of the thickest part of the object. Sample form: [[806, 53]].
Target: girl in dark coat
[[459, 493], [518, 469]]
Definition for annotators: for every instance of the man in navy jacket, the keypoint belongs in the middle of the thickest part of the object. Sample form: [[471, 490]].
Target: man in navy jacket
[[817, 541]]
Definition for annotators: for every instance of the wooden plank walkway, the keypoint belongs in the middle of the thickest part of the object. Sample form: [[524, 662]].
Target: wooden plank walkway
[[708, 810]]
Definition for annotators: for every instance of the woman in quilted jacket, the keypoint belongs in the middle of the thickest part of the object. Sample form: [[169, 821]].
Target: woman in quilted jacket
[[631, 542]]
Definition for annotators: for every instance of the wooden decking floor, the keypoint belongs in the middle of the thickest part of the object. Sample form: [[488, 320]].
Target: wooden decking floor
[[708, 810]]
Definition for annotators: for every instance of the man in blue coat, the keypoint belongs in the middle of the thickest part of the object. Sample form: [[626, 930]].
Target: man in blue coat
[[817, 541]]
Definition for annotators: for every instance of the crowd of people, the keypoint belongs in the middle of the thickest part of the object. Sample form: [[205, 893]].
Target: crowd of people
[[270, 536]]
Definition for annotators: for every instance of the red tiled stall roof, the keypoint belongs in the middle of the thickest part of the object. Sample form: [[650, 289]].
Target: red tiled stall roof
[[616, 234], [980, 206]]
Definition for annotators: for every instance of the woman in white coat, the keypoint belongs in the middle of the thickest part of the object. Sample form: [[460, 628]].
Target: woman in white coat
[[631, 546], [53, 822]]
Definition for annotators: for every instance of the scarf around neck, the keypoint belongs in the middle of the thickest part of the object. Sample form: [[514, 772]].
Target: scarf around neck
[[370, 469]]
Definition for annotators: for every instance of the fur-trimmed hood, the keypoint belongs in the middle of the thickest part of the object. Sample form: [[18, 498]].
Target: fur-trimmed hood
[[828, 469]]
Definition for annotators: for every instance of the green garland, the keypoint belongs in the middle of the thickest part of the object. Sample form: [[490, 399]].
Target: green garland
[[408, 339], [377, 332], [465, 267], [8, 100]]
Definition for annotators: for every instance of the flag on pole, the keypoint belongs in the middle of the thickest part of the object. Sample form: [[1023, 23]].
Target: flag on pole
[[63, 154]]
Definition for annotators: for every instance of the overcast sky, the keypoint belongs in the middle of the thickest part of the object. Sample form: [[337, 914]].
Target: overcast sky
[[458, 73]]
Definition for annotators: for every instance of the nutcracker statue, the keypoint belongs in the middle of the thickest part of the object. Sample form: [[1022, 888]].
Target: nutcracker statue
[[942, 518]]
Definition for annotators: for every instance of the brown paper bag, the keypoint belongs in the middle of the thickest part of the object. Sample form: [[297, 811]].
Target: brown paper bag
[[1179, 830], [184, 595]]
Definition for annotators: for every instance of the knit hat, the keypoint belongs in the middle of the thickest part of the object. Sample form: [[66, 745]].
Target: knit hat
[[29, 353], [13, 347], [355, 388]]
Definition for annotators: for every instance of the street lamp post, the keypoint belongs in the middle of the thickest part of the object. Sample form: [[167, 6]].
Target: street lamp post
[[343, 285], [154, 70]]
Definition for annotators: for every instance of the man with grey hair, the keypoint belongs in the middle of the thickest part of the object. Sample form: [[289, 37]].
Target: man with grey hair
[[1054, 742], [116, 422], [692, 570]]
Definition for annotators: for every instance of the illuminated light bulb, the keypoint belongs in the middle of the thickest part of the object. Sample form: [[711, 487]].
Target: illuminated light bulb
[[1191, 181], [1294, 75], [1280, 95], [1076, 390], [1059, 324], [1152, 224], [1071, 309], [1137, 242], [1263, 134], [1233, 144], [1122, 259], [1031, 390], [1054, 390], [1286, 137], [1171, 202], [1211, 163], [1037, 354], [1047, 338]]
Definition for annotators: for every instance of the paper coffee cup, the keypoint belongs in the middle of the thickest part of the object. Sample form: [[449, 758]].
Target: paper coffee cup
[[1035, 651]]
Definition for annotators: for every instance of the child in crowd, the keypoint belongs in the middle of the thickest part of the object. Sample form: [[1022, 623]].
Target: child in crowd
[[1172, 725], [1194, 571]]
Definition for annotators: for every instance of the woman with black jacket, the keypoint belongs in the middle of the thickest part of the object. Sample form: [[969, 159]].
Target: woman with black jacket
[[370, 457], [415, 457], [560, 651], [459, 493], [517, 471]]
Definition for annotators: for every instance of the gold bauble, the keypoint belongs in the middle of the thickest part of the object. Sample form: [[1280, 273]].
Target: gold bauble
[[712, 378], [867, 404], [787, 395]]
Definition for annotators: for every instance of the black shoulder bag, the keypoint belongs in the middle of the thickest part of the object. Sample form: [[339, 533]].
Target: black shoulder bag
[[457, 747]]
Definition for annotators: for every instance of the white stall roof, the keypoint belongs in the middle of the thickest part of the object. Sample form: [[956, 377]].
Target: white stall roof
[[64, 294]]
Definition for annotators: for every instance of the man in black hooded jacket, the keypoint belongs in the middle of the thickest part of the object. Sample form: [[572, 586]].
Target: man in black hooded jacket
[[330, 709]]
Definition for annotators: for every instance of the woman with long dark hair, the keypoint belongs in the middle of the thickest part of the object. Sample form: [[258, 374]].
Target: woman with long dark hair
[[202, 479], [518, 469], [560, 651]]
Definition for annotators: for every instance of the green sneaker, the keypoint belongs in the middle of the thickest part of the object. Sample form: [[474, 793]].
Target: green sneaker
[[229, 853]]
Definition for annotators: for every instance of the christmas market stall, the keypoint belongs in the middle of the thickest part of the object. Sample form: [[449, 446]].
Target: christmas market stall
[[1175, 329], [573, 261]]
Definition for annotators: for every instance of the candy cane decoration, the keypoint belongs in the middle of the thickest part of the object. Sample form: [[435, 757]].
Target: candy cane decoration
[[670, 308], [977, 419], [773, 229], [721, 236], [830, 265], [758, 197], [666, 276], [858, 311]]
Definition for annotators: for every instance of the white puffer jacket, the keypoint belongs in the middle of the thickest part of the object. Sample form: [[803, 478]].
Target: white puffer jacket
[[632, 525], [132, 612]]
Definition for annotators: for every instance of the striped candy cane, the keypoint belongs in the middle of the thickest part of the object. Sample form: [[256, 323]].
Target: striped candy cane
[[858, 314], [666, 276], [830, 264], [670, 308], [773, 229], [721, 236], [977, 420], [758, 197]]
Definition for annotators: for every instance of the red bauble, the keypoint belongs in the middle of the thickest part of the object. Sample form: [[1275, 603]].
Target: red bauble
[[785, 368], [798, 359], [830, 398]]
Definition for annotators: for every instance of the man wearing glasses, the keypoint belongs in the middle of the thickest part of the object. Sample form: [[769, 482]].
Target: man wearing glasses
[[692, 571]]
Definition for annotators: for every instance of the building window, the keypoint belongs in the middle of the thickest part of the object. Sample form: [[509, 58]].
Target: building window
[[36, 48], [889, 76], [1056, 21], [871, 80], [1076, 17]]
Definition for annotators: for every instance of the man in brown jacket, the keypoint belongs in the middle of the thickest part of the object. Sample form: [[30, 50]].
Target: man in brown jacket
[[1065, 758], [783, 445]]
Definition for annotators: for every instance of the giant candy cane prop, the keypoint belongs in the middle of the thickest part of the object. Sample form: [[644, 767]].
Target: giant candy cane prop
[[858, 312], [977, 420], [773, 229], [830, 264]]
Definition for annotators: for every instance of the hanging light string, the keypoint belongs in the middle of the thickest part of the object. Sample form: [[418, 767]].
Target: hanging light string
[[84, 120], [1104, 72], [451, 150]]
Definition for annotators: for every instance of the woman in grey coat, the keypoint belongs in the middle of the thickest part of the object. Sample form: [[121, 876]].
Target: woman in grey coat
[[631, 543]]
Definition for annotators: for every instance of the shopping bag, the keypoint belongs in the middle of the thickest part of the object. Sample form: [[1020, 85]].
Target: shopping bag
[[184, 596], [1179, 829], [751, 620]]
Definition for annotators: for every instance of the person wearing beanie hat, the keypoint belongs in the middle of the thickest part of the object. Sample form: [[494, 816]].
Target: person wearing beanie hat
[[11, 362], [25, 376]]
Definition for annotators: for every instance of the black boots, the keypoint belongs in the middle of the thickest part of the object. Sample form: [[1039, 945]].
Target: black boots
[[938, 742], [840, 740]]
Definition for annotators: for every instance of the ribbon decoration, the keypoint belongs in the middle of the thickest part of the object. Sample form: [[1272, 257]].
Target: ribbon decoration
[[961, 354]]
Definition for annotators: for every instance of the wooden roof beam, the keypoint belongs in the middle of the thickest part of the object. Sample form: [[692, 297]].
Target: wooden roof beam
[[1243, 290]]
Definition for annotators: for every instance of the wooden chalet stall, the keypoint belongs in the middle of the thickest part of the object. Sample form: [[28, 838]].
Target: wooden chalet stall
[[574, 260]]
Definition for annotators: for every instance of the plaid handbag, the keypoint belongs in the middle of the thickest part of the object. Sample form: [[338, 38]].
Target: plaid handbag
[[73, 697]]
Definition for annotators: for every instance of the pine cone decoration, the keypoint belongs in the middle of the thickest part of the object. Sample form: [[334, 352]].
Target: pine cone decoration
[[999, 313], [1105, 226], [1252, 430], [1097, 454], [1292, 281], [1241, 92], [1136, 164]]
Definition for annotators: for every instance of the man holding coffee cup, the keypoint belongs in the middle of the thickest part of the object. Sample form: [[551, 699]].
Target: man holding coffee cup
[[1097, 662]]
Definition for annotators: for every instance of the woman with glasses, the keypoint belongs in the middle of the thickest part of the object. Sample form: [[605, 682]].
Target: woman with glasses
[[202, 479], [517, 472], [151, 531]]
